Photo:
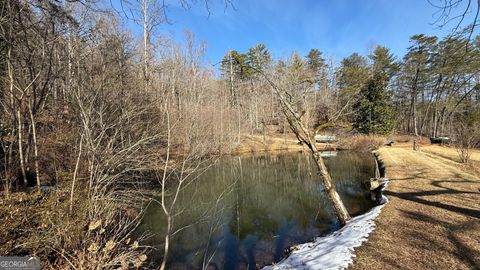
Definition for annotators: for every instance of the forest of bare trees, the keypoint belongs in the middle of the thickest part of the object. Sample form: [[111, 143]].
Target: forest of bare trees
[[88, 108], [101, 113]]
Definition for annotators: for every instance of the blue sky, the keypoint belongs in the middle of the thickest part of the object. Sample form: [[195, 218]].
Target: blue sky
[[336, 27]]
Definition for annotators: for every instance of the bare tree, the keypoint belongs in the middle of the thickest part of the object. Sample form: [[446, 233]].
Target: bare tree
[[466, 138], [457, 12], [305, 136], [115, 168]]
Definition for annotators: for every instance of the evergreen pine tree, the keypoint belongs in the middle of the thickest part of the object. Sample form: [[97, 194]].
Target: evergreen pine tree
[[374, 113], [373, 108]]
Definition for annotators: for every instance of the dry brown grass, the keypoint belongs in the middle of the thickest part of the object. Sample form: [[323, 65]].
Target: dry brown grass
[[357, 142], [450, 153], [274, 142], [259, 143], [433, 218], [38, 223], [363, 143], [405, 138]]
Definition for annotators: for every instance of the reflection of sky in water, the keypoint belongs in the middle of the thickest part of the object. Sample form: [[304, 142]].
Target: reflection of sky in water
[[246, 211]]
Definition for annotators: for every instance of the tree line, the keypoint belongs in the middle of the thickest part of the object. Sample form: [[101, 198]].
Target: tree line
[[428, 92]]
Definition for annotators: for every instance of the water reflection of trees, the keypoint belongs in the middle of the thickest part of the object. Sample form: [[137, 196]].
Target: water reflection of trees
[[248, 209]]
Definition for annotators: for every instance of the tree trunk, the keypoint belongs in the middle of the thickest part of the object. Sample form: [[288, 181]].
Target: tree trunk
[[145, 44], [20, 146], [435, 116], [414, 102], [425, 116], [75, 172], [232, 89], [239, 118], [414, 114], [303, 135], [332, 193], [442, 120], [35, 146], [167, 243]]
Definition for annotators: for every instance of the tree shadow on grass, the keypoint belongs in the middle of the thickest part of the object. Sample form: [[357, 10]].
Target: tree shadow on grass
[[417, 197], [462, 251], [417, 175]]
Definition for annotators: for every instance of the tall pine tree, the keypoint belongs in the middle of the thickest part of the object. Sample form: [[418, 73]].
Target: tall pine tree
[[373, 108]]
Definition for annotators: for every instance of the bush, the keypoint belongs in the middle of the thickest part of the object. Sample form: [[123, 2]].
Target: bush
[[363, 143]]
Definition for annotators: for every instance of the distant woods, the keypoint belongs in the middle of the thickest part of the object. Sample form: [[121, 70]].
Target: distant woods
[[427, 92]]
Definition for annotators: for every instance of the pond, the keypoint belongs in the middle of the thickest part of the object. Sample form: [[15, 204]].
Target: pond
[[244, 212]]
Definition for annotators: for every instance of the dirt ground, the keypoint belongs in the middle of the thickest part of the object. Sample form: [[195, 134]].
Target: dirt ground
[[433, 218]]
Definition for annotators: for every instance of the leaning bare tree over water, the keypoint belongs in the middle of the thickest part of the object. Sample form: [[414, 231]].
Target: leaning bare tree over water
[[306, 136]]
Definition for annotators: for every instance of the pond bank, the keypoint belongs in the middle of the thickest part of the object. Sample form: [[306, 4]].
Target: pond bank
[[432, 220], [334, 251], [257, 143]]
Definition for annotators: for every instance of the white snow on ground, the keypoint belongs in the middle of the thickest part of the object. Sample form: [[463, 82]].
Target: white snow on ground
[[334, 251]]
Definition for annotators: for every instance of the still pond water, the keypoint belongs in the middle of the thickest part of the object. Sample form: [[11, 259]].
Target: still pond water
[[243, 212]]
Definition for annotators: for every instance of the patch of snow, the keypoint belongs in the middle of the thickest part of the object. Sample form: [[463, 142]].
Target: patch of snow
[[334, 251]]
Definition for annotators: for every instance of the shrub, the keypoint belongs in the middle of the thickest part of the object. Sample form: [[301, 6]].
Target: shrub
[[363, 143]]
